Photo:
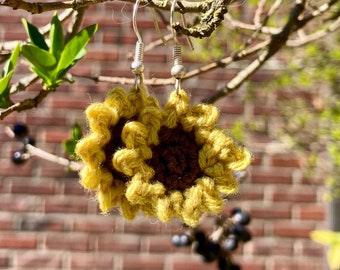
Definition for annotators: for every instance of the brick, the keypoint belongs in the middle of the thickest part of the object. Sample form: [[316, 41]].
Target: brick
[[254, 264], [270, 176], [75, 204], [270, 247], [95, 224], [102, 54], [67, 241], [72, 102], [275, 211], [118, 243], [161, 244], [4, 260], [20, 203], [143, 262], [289, 193], [294, 230], [313, 212], [7, 168], [73, 188], [312, 249], [25, 187], [290, 264], [6, 222], [92, 261], [53, 135], [38, 260], [284, 160], [41, 223], [142, 225], [18, 241]]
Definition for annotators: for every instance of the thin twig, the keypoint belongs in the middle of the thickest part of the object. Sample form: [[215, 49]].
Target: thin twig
[[276, 43], [40, 7], [25, 104]]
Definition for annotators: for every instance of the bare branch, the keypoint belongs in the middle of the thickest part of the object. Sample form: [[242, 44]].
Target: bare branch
[[40, 7], [276, 43], [25, 104]]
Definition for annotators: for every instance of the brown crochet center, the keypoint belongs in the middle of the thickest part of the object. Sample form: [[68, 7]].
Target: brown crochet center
[[112, 146], [175, 158]]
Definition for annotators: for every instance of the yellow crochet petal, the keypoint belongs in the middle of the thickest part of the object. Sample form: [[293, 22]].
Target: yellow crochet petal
[[88, 178], [226, 184], [118, 99], [206, 158], [127, 161], [170, 206], [242, 159], [134, 134], [108, 199], [193, 206], [201, 115], [151, 117], [128, 210], [89, 150], [101, 118], [140, 192], [176, 107], [211, 198]]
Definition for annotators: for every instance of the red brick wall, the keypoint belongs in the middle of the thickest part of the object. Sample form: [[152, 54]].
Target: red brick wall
[[47, 221]]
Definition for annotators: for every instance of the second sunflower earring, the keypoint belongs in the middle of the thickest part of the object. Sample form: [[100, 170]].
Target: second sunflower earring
[[109, 123]]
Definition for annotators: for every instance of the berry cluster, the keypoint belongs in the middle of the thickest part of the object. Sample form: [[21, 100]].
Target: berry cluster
[[228, 233], [21, 133]]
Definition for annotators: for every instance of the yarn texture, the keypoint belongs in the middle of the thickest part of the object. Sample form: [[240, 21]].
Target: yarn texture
[[171, 162]]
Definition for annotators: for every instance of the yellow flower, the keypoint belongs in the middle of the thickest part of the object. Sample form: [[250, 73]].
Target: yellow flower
[[178, 162], [106, 121]]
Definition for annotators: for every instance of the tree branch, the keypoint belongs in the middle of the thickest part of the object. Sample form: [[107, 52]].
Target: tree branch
[[25, 104], [40, 7], [276, 43]]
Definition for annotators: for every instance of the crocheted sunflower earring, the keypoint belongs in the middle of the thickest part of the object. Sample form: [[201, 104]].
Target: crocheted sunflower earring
[[170, 162], [109, 123]]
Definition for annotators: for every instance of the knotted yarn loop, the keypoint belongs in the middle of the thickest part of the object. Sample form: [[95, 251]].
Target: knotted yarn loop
[[112, 146]]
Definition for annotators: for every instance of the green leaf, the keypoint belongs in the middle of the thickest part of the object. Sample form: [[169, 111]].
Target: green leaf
[[39, 57], [56, 37], [70, 144], [76, 132], [12, 61], [35, 36], [44, 75], [80, 55], [75, 46], [5, 90]]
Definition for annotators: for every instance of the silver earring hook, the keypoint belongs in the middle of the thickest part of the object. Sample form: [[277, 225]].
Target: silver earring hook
[[177, 70], [137, 66], [172, 11]]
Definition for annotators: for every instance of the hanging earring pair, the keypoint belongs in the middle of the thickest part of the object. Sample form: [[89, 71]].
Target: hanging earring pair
[[170, 162]]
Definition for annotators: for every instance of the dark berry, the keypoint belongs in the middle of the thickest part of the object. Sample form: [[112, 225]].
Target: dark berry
[[234, 267], [231, 242], [185, 240], [241, 217], [28, 140], [235, 210], [20, 130], [200, 237], [176, 240], [19, 158], [181, 240], [241, 232]]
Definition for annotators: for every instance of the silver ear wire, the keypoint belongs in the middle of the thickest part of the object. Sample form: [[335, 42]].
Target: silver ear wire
[[177, 70], [137, 66]]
